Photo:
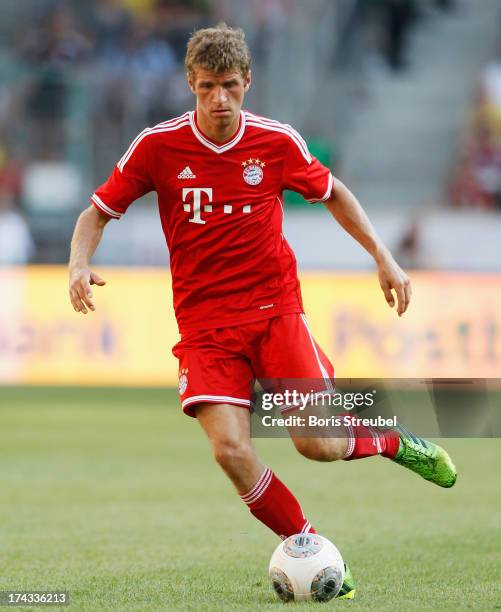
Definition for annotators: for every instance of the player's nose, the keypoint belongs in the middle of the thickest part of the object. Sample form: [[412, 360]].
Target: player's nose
[[221, 95]]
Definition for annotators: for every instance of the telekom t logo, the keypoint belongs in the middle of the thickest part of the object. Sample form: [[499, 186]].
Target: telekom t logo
[[196, 208], [197, 202]]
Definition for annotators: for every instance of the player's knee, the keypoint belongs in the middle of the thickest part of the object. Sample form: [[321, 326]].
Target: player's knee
[[231, 454], [319, 449]]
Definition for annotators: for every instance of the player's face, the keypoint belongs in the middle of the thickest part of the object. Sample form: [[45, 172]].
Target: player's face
[[219, 95]]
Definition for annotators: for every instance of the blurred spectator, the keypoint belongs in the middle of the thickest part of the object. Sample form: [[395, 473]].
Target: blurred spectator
[[110, 24], [490, 82], [49, 50], [138, 7], [445, 5], [137, 77], [145, 58], [409, 249], [385, 27], [477, 176], [399, 17], [176, 19], [464, 190], [56, 43], [485, 158], [10, 174], [16, 244], [488, 104]]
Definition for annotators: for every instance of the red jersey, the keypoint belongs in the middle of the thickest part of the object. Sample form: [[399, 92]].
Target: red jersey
[[221, 211]]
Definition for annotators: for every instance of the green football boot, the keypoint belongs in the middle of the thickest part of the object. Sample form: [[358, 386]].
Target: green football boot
[[425, 458], [348, 589]]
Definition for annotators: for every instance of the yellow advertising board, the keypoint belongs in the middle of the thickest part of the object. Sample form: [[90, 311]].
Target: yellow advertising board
[[452, 328]]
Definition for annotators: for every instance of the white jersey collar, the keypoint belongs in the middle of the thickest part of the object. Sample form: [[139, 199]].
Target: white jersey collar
[[213, 146]]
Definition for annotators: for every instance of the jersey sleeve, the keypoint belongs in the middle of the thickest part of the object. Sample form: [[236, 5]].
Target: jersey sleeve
[[304, 174], [129, 181]]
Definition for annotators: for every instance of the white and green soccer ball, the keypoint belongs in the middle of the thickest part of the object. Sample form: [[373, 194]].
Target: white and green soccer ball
[[306, 566]]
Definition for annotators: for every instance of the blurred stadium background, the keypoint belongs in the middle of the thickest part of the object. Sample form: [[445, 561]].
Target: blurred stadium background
[[402, 98]]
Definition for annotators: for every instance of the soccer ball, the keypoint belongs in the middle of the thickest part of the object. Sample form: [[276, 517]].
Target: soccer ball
[[306, 566]]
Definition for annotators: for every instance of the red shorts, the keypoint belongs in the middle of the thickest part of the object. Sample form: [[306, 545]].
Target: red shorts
[[221, 365]]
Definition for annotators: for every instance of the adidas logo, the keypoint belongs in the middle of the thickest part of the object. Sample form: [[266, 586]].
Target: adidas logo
[[186, 174]]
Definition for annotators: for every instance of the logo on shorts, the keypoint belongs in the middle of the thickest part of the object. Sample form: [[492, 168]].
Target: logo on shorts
[[253, 171], [183, 381]]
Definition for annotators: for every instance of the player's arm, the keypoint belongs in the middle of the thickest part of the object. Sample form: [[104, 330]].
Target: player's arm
[[86, 237], [348, 212], [129, 180]]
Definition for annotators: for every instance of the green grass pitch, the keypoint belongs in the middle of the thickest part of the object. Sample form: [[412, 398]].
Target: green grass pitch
[[113, 496]]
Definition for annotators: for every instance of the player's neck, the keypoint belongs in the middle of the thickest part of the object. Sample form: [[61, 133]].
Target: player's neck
[[215, 131]]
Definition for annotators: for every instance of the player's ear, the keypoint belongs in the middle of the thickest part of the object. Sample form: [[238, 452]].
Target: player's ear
[[191, 81], [247, 81]]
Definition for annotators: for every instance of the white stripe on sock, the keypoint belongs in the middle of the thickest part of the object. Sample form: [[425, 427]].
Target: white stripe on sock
[[259, 488]]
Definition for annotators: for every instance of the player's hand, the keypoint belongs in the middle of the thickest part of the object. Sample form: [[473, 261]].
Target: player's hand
[[81, 280], [393, 278]]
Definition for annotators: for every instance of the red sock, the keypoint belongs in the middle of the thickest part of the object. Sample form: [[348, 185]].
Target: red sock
[[369, 441], [273, 504]]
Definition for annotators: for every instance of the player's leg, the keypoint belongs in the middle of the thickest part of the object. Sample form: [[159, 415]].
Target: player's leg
[[425, 458], [215, 379], [228, 429], [288, 350], [269, 500], [287, 356], [323, 444], [213, 365], [345, 443]]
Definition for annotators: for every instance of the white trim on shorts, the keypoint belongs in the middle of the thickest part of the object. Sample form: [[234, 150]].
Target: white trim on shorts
[[222, 399], [323, 371]]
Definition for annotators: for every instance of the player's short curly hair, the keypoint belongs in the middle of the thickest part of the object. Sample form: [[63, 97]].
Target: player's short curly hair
[[218, 49]]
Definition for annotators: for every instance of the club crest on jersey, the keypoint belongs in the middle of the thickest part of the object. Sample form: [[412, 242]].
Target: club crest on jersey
[[183, 381], [253, 171]]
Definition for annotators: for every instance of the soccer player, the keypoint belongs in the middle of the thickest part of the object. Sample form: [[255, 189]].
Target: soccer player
[[219, 172]]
